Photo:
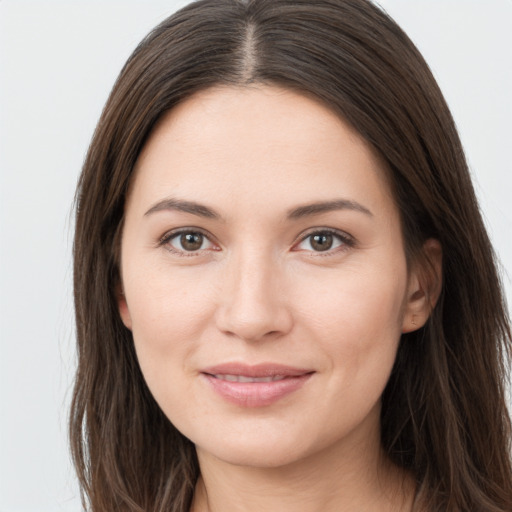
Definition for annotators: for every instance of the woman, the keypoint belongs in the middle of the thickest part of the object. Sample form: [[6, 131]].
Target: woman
[[285, 294]]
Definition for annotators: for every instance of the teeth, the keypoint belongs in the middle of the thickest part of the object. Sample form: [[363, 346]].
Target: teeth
[[243, 378]]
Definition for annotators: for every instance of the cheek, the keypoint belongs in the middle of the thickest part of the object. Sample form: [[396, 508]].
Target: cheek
[[368, 297], [169, 311], [356, 318], [167, 302], [357, 327]]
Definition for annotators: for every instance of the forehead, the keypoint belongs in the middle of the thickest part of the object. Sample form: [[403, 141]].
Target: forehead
[[263, 142]]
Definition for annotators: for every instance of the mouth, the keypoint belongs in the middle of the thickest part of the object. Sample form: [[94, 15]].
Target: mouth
[[245, 378], [255, 385]]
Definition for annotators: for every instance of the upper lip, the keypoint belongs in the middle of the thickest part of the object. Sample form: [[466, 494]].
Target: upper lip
[[257, 370]]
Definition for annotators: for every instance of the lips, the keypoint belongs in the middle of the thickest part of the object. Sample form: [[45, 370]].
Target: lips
[[244, 378], [255, 385]]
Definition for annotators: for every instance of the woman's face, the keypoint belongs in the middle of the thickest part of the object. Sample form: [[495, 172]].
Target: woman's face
[[264, 276]]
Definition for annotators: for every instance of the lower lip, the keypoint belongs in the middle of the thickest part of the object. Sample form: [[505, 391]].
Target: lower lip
[[256, 394]]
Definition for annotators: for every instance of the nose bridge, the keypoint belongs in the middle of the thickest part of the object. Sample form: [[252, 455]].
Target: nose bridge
[[254, 302]]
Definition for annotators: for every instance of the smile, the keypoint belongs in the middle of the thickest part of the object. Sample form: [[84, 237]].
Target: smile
[[244, 378], [255, 386]]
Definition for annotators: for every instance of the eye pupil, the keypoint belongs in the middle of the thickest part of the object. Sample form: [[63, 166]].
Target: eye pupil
[[191, 241], [321, 241]]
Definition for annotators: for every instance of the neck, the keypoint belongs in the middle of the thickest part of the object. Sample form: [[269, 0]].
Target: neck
[[334, 480]]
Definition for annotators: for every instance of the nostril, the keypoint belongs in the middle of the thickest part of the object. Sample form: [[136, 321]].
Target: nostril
[[254, 324]]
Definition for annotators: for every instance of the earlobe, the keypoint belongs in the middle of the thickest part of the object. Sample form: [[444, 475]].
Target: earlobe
[[424, 289], [122, 305]]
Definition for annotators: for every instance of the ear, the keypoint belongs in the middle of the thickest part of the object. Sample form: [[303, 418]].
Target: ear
[[122, 305], [424, 286]]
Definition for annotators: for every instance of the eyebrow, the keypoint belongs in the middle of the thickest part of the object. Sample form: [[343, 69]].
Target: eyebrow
[[327, 206], [184, 206], [299, 212]]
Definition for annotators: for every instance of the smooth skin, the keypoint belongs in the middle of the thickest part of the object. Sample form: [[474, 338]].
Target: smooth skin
[[221, 263]]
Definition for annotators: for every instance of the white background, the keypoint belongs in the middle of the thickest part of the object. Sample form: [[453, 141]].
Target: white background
[[58, 61]]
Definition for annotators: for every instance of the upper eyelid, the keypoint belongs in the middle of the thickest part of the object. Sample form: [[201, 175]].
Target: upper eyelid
[[336, 232], [312, 231], [178, 231]]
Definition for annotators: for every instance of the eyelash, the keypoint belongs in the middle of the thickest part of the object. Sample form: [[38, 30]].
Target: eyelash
[[346, 240], [168, 237]]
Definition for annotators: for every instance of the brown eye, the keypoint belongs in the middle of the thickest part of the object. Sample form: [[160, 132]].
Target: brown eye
[[187, 242], [325, 241], [321, 241], [191, 241]]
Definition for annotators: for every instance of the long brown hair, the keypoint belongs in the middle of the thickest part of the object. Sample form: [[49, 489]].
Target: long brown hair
[[444, 414]]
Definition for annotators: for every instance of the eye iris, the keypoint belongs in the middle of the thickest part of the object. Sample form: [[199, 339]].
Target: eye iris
[[321, 241], [191, 241]]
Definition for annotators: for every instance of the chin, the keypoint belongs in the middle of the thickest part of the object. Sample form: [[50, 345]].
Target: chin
[[255, 457], [258, 451]]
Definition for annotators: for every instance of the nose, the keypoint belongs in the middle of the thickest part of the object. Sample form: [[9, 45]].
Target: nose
[[253, 304]]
